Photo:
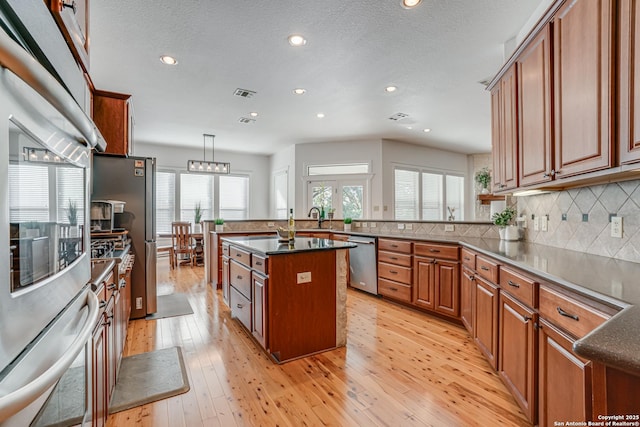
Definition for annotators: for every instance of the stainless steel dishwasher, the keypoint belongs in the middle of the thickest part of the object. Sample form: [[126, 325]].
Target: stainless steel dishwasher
[[362, 264]]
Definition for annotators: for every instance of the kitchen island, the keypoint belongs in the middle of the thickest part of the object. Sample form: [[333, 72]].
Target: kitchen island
[[291, 296]]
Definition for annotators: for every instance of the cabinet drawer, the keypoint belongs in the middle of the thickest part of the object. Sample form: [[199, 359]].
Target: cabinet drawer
[[487, 268], [394, 246], [394, 290], [436, 251], [523, 288], [468, 258], [240, 307], [259, 263], [240, 255], [225, 249], [568, 313], [394, 272], [240, 278], [395, 258]]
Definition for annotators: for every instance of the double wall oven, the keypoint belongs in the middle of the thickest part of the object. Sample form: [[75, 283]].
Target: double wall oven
[[47, 308]]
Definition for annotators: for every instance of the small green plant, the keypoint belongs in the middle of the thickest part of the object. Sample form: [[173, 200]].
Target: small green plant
[[348, 220], [219, 221], [198, 213], [483, 177], [504, 218], [72, 212]]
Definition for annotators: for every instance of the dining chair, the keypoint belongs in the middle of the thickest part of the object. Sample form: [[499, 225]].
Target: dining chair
[[181, 241]]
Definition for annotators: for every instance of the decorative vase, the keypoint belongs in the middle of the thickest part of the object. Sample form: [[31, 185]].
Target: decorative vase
[[219, 227], [347, 227], [197, 228], [484, 190], [509, 233]]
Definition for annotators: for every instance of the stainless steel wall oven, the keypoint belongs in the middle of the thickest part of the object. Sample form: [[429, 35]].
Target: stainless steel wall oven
[[47, 309]]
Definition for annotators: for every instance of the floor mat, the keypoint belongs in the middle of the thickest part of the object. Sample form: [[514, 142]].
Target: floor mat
[[171, 305], [148, 377]]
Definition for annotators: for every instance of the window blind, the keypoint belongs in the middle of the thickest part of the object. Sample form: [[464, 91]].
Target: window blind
[[234, 197], [70, 189], [196, 188], [29, 195], [455, 197], [406, 194], [165, 201], [280, 189], [432, 201]]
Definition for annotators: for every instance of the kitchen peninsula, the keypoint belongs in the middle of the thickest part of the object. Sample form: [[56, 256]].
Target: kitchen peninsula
[[290, 295]]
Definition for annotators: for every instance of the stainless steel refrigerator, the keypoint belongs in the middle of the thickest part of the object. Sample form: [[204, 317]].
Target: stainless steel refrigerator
[[132, 180]]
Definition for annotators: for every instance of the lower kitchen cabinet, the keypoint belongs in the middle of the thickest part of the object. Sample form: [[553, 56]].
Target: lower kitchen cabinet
[[467, 298], [565, 379], [99, 375], [259, 291], [225, 279], [518, 357], [424, 270], [485, 320], [437, 278]]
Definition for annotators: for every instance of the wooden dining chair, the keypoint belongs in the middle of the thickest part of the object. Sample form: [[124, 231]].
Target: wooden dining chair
[[181, 241]]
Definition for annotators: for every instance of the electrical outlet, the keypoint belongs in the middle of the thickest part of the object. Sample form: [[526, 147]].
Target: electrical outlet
[[372, 224], [270, 224], [139, 303], [409, 227], [364, 224], [304, 277], [616, 226], [400, 226], [357, 225], [449, 227], [536, 223], [544, 220]]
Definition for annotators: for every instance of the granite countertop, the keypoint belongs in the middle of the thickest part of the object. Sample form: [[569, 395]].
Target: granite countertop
[[271, 245], [100, 268]]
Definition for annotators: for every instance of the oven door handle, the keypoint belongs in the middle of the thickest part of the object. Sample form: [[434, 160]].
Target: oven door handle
[[22, 64], [15, 401]]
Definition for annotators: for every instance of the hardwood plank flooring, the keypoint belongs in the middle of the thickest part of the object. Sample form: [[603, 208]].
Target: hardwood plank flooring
[[400, 367]]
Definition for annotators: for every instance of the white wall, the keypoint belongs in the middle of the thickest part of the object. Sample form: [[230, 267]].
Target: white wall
[[257, 166], [396, 153], [283, 161]]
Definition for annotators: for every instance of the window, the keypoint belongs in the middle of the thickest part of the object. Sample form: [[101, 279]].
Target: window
[[70, 183], [196, 189], [280, 185], [165, 201], [348, 169], [428, 195], [347, 197], [234, 197]]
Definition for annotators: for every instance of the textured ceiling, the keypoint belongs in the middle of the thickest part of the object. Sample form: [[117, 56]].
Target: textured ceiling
[[435, 54]]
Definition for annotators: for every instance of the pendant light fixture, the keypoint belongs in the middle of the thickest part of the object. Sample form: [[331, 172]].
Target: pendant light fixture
[[204, 166]]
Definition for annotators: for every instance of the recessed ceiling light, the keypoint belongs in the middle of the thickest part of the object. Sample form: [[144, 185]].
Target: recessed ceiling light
[[169, 60], [253, 114], [299, 91], [320, 115], [427, 130], [391, 88], [409, 4], [409, 127], [296, 40]]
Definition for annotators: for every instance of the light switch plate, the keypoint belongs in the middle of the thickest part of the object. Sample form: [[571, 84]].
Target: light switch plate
[[543, 223], [400, 226], [372, 224], [304, 277], [364, 224], [270, 224], [449, 227], [536, 223], [616, 226]]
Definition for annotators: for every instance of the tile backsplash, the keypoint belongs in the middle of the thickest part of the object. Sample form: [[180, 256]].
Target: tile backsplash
[[578, 219]]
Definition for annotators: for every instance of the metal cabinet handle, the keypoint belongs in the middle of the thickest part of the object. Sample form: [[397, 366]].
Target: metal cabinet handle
[[469, 276], [394, 246], [111, 286], [258, 263], [526, 318], [394, 289], [512, 283], [71, 6], [467, 258], [393, 272], [239, 277], [484, 268], [394, 258], [102, 304], [239, 305], [565, 314], [434, 250]]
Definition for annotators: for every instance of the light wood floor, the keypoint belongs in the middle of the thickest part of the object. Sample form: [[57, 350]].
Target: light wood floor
[[399, 367]]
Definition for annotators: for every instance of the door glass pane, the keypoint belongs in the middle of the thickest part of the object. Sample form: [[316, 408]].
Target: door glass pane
[[432, 197], [455, 198], [352, 201], [280, 189], [406, 194], [321, 195]]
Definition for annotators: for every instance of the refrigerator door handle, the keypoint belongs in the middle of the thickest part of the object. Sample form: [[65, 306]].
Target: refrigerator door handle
[[150, 267]]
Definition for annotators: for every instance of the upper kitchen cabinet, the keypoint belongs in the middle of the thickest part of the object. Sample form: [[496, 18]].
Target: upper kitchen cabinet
[[583, 81], [504, 132], [113, 115], [72, 17], [629, 89], [534, 102]]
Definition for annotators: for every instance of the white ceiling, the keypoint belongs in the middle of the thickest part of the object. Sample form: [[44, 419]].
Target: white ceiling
[[435, 54]]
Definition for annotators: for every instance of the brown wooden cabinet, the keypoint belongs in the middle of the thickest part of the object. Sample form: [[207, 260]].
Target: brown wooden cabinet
[[629, 82], [424, 270], [395, 269], [99, 375], [436, 270], [583, 82], [467, 298], [534, 108], [518, 356], [113, 115], [504, 132], [225, 279], [486, 318], [259, 291]]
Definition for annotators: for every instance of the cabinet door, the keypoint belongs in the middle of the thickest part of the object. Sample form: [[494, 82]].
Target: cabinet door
[[629, 74], [504, 128], [583, 86], [424, 271], [485, 319], [496, 137], [565, 380], [447, 287], [112, 115], [467, 298], [518, 353], [111, 347], [225, 280], [534, 113], [99, 376], [259, 324]]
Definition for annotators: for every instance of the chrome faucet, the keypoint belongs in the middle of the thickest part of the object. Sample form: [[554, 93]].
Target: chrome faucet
[[320, 219]]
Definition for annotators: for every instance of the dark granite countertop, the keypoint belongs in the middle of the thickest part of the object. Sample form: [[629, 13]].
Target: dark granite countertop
[[271, 245]]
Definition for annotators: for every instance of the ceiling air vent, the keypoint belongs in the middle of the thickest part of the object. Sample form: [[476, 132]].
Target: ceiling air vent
[[244, 93], [246, 120], [398, 116]]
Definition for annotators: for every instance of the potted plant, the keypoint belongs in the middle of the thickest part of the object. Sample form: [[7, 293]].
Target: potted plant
[[72, 216], [483, 178], [504, 220], [347, 224], [197, 218], [219, 224]]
